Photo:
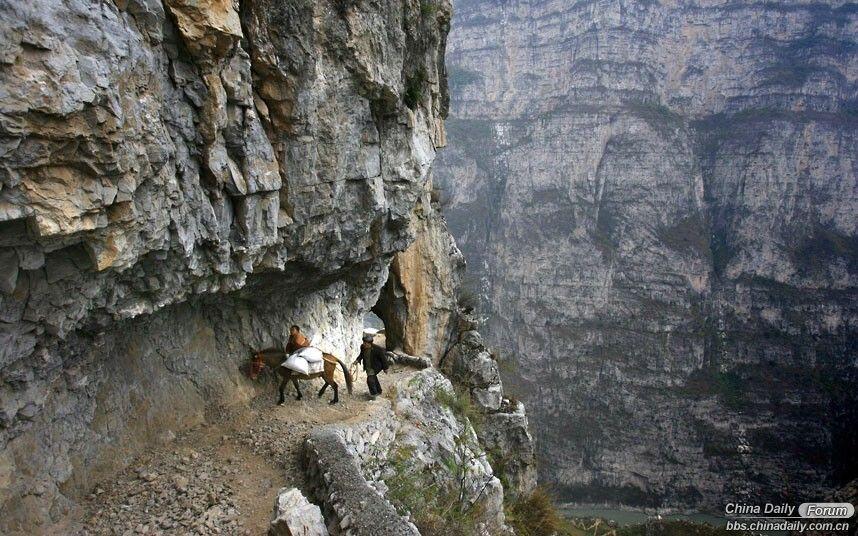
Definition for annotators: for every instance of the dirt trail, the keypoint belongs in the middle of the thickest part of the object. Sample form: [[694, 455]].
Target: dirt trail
[[222, 477]]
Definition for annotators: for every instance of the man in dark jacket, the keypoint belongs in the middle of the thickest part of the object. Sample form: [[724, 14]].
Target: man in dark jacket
[[374, 361]]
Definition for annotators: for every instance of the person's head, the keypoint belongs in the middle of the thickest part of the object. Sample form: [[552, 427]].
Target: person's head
[[294, 330]]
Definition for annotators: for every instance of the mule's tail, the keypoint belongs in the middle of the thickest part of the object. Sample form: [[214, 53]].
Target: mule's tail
[[347, 374]]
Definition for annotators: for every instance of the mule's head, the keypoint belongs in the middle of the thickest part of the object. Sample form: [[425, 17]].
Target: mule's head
[[257, 363], [272, 357]]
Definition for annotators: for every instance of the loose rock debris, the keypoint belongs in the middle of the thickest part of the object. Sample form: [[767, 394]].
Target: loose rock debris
[[221, 477]]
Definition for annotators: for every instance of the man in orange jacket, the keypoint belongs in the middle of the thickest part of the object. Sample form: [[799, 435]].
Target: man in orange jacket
[[297, 340]]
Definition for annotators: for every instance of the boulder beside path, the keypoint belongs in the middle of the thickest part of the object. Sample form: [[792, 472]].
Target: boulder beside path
[[294, 515]]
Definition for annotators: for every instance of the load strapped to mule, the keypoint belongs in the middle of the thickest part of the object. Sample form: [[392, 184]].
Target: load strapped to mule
[[308, 360]]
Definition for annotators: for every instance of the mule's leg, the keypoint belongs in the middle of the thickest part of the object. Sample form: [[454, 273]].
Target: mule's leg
[[336, 392], [322, 390], [283, 380], [297, 389]]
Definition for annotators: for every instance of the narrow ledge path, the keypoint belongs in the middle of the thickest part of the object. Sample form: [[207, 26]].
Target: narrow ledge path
[[222, 476]]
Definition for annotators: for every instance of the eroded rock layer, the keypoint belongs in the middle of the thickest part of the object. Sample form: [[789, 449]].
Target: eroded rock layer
[[659, 202], [179, 182]]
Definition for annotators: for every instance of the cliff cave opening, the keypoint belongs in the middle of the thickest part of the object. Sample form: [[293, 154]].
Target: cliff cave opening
[[389, 314], [372, 321]]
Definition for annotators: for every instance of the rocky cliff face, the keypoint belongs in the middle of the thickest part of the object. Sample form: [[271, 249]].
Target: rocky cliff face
[[659, 201], [179, 182]]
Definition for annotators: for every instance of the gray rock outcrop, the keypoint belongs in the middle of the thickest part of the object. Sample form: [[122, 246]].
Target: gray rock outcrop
[[504, 434], [506, 437], [472, 365], [657, 201]]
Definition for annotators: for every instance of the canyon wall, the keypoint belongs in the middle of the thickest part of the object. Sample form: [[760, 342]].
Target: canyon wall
[[657, 201], [179, 182]]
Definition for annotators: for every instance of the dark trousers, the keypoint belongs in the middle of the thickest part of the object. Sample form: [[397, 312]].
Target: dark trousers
[[373, 385]]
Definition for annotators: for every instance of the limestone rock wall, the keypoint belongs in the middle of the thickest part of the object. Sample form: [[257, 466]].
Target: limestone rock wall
[[179, 182], [657, 201]]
